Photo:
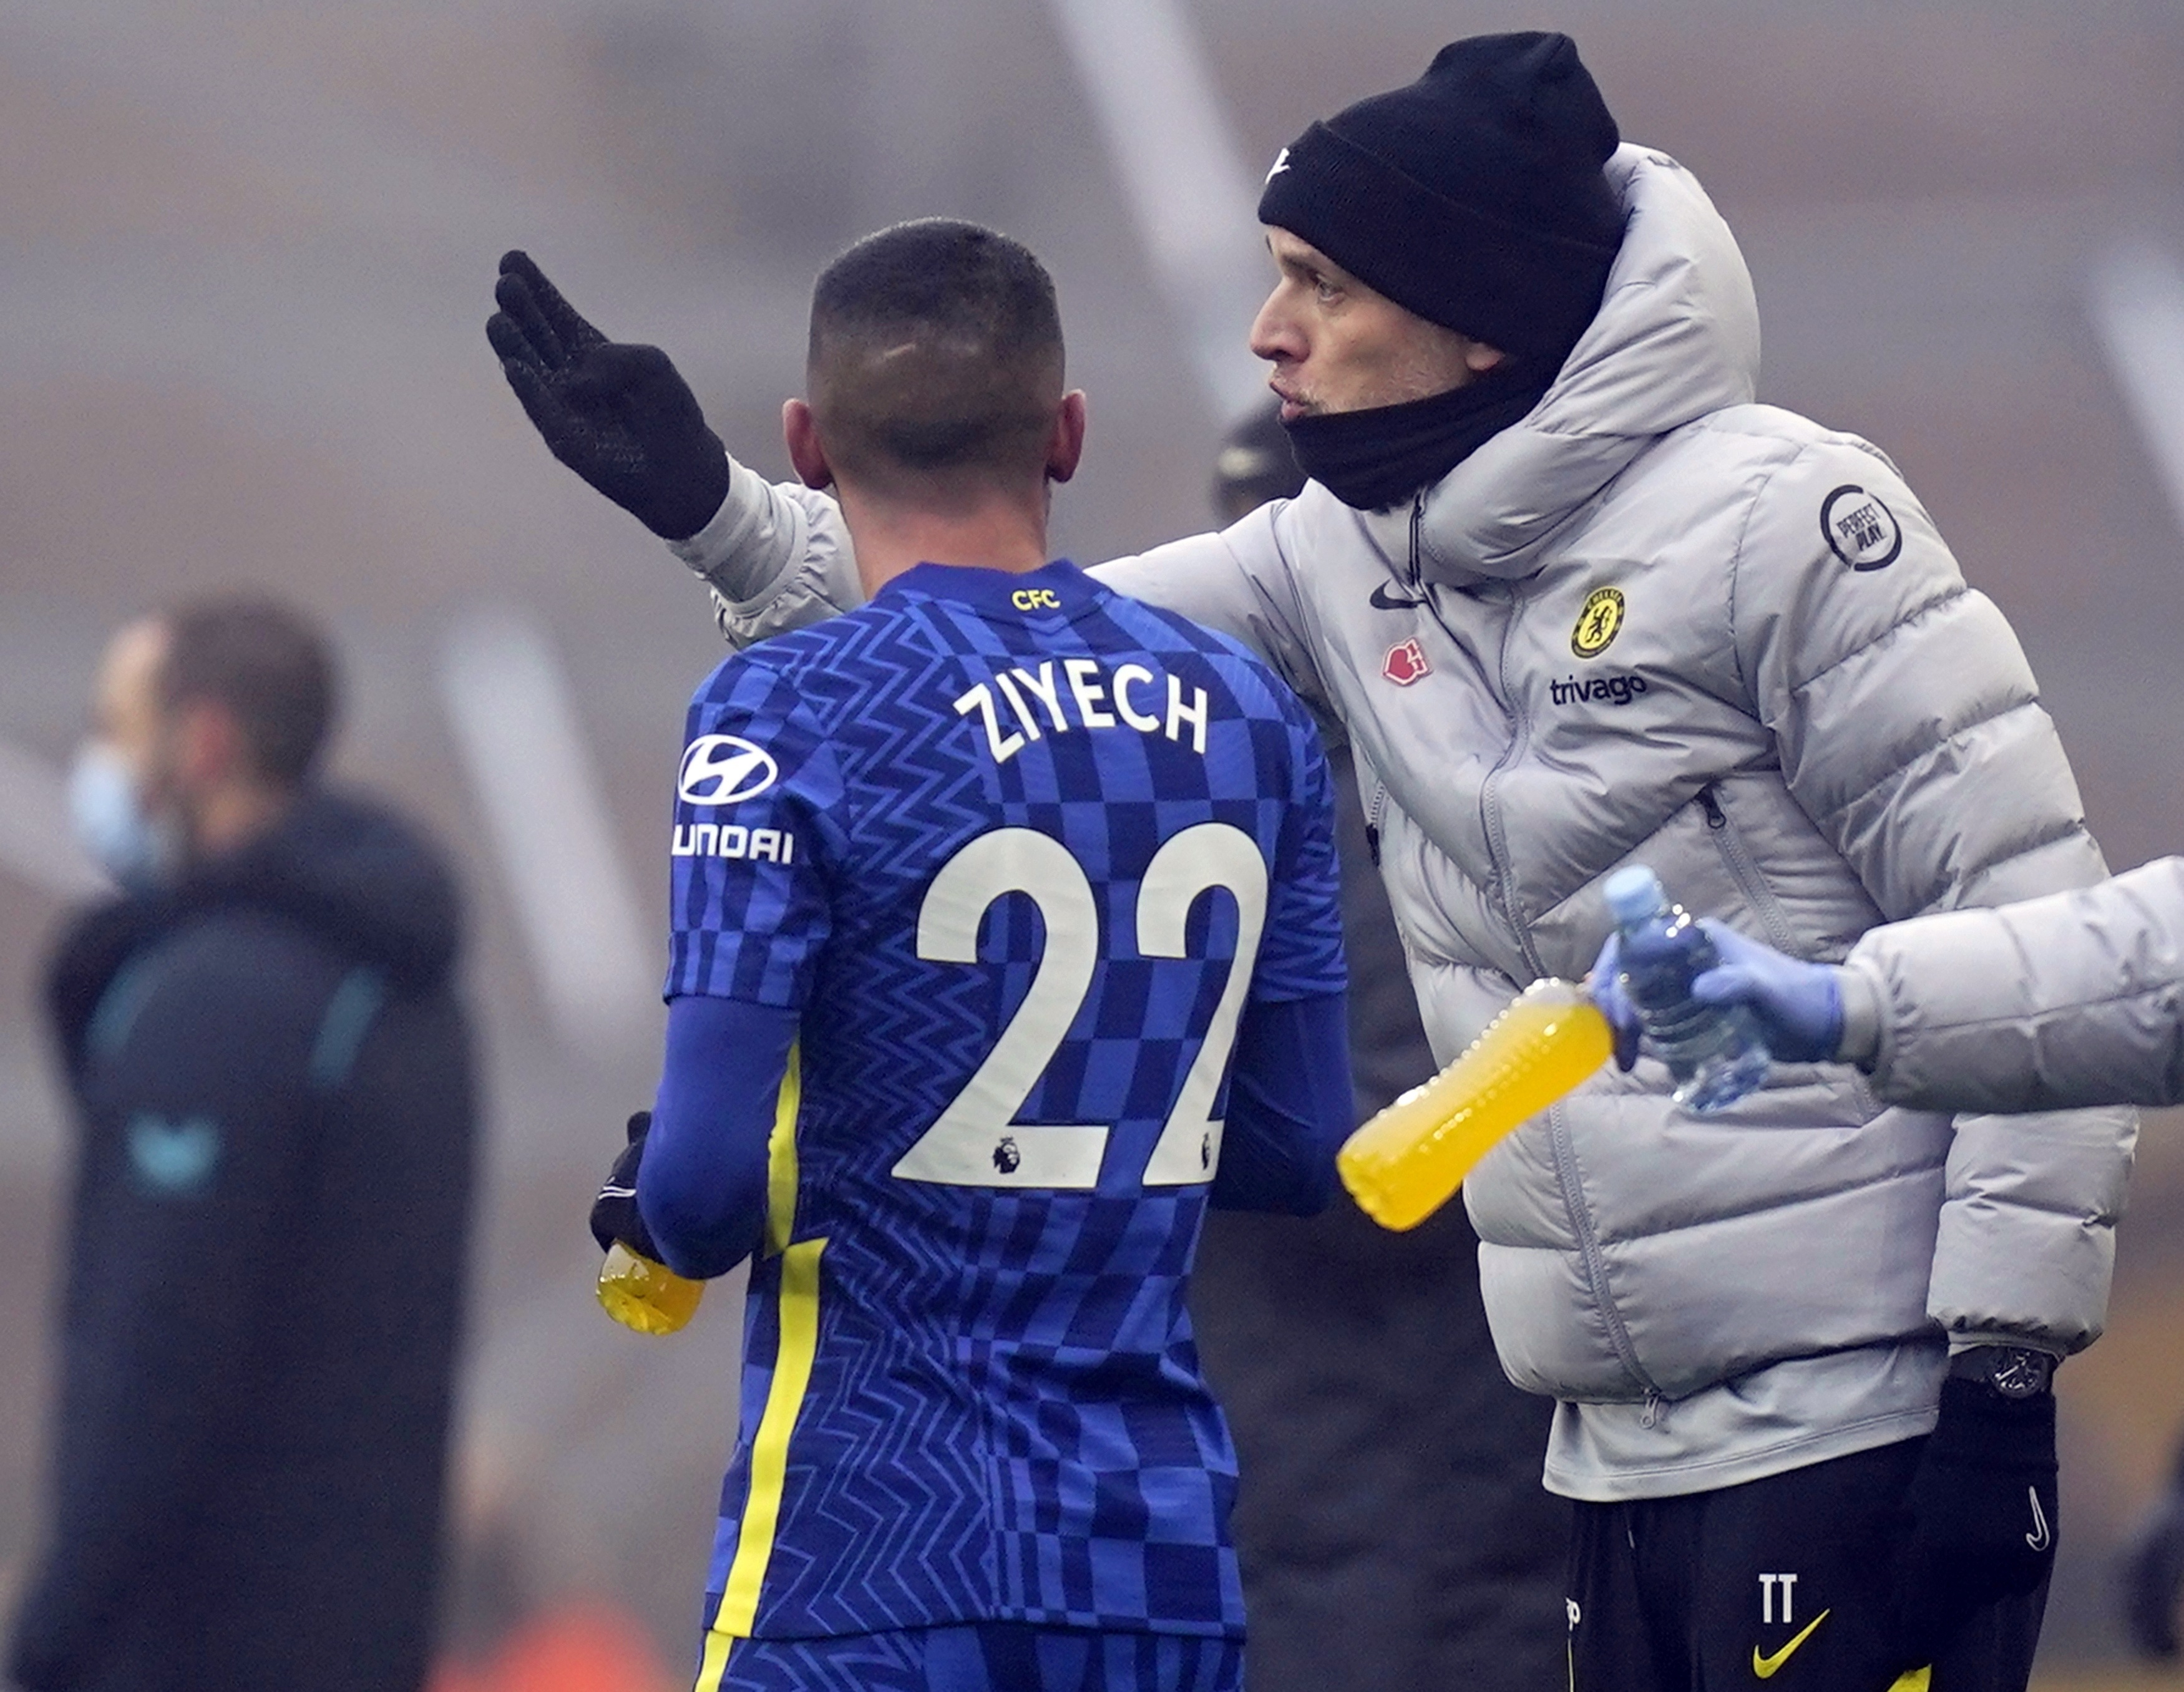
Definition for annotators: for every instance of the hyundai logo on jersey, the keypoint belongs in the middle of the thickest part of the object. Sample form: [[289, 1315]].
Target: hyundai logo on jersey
[[720, 769]]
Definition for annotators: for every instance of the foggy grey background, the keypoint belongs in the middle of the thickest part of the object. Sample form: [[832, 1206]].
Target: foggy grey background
[[248, 251]]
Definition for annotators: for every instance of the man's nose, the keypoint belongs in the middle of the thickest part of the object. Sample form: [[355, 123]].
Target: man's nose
[[1274, 332]]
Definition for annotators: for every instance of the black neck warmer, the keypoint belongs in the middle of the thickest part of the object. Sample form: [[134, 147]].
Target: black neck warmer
[[1372, 459]]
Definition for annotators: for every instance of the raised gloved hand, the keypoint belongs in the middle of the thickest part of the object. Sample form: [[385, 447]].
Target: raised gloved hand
[[1982, 1507], [614, 1214], [619, 415], [1798, 1005]]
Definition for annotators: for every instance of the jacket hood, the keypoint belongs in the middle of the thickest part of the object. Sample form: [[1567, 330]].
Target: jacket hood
[[342, 867], [355, 874], [1677, 337]]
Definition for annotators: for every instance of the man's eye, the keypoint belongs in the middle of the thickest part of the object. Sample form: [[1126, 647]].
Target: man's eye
[[1325, 292]]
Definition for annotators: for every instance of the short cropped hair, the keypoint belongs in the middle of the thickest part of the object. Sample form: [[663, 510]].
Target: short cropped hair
[[935, 356], [267, 665]]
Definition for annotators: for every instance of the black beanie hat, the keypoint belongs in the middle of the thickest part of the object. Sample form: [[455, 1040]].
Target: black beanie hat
[[1472, 198]]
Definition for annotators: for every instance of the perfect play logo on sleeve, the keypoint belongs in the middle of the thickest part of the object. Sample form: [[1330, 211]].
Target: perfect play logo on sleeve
[[1860, 531], [724, 769]]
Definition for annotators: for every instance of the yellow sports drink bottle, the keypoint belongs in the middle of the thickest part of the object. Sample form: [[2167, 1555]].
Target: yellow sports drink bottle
[[1408, 1160], [646, 1296]]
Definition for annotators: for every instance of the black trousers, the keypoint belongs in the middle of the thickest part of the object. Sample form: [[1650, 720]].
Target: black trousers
[[1788, 1579]]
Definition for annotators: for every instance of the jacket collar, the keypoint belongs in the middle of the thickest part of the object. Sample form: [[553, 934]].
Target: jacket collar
[[1676, 337]]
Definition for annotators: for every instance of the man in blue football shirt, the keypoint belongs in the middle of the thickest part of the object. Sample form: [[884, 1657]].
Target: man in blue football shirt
[[1005, 940]]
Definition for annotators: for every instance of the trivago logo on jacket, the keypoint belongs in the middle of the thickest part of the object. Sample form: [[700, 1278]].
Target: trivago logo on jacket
[[1595, 690]]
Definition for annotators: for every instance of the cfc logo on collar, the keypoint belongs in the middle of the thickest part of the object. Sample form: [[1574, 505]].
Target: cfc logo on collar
[[1598, 623], [1035, 599]]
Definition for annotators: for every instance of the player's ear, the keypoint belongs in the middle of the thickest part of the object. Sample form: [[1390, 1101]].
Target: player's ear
[[1065, 444], [800, 430]]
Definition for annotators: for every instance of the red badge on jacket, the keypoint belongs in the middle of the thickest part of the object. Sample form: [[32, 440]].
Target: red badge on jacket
[[1405, 663]]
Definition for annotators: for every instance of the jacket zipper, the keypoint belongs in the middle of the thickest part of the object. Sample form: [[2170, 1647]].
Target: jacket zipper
[[1499, 860], [1498, 855], [1595, 1268], [1497, 841], [1737, 859], [1377, 807]]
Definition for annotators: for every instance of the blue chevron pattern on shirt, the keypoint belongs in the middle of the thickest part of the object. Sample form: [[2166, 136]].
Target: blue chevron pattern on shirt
[[1004, 1418]]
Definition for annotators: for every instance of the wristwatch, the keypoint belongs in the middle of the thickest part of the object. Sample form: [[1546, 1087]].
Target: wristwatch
[[2010, 1372]]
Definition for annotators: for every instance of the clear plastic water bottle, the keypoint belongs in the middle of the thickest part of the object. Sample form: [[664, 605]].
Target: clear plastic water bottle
[[1715, 1051]]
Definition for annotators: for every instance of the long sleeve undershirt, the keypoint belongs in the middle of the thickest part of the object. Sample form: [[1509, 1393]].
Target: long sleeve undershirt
[[702, 1186]]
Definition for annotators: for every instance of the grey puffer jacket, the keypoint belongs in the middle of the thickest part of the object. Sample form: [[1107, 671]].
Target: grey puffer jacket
[[2075, 998], [1656, 622]]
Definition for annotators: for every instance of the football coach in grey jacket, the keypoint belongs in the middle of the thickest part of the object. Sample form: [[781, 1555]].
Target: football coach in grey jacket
[[1577, 602]]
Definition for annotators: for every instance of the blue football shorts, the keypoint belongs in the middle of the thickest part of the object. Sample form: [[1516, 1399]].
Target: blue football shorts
[[989, 1656]]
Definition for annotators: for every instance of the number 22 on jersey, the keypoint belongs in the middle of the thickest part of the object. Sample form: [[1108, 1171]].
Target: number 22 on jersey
[[976, 1142]]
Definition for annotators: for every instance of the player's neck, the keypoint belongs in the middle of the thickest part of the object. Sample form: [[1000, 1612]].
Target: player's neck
[[993, 533], [234, 814]]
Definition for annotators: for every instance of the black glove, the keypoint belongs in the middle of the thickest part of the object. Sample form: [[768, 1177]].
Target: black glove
[[614, 1213], [619, 415], [2153, 1577], [1982, 1506]]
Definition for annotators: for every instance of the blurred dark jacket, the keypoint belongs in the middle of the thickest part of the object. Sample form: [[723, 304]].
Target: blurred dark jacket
[[1392, 1527], [265, 1270]]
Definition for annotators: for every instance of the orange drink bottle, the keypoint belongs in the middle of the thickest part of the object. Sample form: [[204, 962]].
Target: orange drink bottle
[[644, 1295], [1408, 1160]]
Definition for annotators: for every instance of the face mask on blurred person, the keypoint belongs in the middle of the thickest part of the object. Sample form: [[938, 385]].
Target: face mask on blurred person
[[137, 850]]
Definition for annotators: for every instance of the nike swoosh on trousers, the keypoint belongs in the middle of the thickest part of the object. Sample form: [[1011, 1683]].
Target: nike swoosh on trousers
[[1764, 1667]]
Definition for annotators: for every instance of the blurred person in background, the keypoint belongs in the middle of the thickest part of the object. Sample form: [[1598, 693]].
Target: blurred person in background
[[1391, 1526], [1579, 601], [2153, 1571], [265, 1251]]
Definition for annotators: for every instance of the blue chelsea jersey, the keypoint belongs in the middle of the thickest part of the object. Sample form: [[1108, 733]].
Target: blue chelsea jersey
[[1019, 852]]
